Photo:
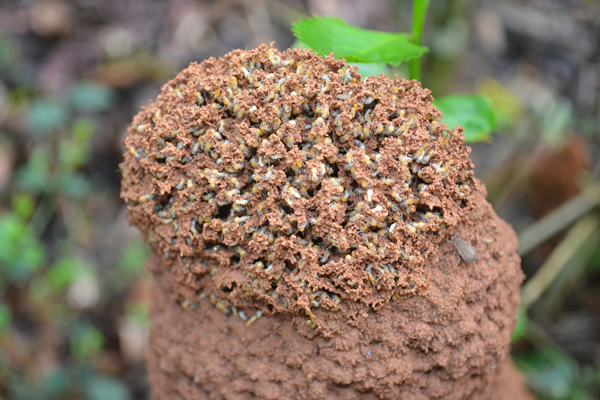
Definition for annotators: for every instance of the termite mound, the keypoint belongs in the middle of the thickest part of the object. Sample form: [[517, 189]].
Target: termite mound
[[302, 221]]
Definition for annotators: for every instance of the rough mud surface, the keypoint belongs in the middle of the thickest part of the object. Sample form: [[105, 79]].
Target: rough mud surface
[[280, 182], [509, 384], [315, 236], [444, 344]]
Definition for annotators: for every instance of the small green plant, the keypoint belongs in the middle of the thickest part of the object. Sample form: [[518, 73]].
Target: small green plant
[[372, 51], [47, 260]]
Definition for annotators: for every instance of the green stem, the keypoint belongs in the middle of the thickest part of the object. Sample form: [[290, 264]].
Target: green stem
[[568, 248], [559, 219], [418, 20]]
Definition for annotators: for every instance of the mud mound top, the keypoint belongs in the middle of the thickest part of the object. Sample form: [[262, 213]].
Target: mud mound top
[[281, 182]]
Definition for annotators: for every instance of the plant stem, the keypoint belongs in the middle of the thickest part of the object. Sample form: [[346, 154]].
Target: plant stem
[[418, 20], [578, 235], [42, 215], [557, 220], [557, 294]]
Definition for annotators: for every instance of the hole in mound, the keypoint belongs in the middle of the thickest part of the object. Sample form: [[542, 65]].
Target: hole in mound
[[223, 212], [227, 289], [162, 202], [228, 114], [335, 169], [422, 208], [288, 267], [372, 104], [265, 263], [213, 246], [312, 191], [287, 209]]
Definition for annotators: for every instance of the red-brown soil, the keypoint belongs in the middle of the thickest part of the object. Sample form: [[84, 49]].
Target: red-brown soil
[[445, 343], [311, 233]]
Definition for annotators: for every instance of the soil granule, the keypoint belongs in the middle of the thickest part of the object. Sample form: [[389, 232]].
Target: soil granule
[[310, 232]]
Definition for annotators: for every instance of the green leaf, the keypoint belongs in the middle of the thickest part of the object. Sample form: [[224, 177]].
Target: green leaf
[[138, 312], [35, 176], [72, 154], [551, 373], [74, 185], [104, 387], [91, 96], [83, 129], [20, 251], [505, 102], [298, 43], [46, 115], [23, 205], [595, 260], [55, 383], [134, 257], [9, 54], [370, 69], [365, 69], [326, 35], [86, 341], [4, 317], [65, 271], [39, 290], [472, 112], [521, 327]]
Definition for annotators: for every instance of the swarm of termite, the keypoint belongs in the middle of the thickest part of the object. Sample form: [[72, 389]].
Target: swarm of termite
[[290, 204], [294, 174]]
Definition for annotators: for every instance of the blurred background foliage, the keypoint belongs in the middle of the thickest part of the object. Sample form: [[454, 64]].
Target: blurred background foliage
[[73, 290]]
